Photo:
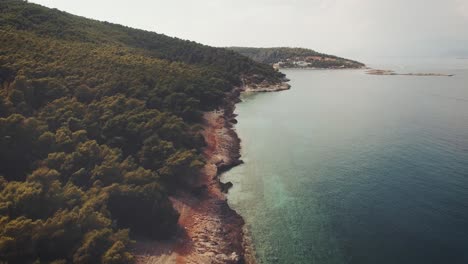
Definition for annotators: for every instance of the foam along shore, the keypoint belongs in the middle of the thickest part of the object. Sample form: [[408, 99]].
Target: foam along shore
[[210, 232], [390, 72]]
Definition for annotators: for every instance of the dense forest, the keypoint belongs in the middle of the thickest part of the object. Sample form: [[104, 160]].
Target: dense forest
[[288, 57], [99, 124]]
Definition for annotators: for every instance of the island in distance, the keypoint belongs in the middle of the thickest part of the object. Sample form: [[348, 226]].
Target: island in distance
[[390, 72], [284, 57]]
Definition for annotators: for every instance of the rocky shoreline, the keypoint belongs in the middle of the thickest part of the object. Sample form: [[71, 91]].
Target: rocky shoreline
[[225, 154], [261, 88], [210, 231]]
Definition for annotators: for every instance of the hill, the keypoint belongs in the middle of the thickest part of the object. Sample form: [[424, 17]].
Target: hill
[[99, 124], [296, 58]]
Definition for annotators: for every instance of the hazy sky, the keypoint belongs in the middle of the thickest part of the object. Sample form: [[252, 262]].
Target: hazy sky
[[357, 28]]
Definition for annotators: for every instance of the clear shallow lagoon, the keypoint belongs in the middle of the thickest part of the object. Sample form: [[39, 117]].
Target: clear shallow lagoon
[[353, 168]]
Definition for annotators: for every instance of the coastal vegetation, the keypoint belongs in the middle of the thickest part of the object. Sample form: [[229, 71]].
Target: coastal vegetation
[[284, 57], [99, 124]]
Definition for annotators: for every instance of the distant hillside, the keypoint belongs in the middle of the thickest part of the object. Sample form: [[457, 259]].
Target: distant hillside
[[99, 124], [296, 58], [45, 22]]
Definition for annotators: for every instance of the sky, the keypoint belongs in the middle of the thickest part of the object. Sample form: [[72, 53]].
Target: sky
[[353, 28]]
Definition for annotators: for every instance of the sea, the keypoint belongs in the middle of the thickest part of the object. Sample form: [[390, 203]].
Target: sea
[[347, 167]]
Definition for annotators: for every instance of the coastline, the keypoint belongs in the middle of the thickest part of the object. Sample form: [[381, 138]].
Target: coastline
[[210, 231]]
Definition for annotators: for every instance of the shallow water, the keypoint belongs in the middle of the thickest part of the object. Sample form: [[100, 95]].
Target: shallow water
[[353, 168]]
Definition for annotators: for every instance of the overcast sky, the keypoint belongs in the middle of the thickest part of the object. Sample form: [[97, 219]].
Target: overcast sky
[[356, 28]]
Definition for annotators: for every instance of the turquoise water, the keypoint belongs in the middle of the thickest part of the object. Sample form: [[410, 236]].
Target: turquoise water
[[353, 168]]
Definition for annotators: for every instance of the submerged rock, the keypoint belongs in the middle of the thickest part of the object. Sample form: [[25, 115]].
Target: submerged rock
[[225, 186]]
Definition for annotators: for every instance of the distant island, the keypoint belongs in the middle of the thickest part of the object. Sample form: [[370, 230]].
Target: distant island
[[284, 57], [390, 72]]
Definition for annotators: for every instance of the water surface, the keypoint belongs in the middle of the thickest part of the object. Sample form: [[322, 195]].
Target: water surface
[[353, 168]]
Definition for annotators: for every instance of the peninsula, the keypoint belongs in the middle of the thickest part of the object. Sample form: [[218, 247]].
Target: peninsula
[[284, 57]]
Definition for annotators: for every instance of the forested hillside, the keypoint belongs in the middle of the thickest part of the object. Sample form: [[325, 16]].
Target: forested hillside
[[99, 123], [296, 57]]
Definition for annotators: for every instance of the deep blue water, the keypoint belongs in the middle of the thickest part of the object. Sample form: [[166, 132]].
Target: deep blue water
[[353, 168]]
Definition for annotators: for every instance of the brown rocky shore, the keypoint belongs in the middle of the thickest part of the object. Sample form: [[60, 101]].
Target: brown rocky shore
[[210, 231]]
